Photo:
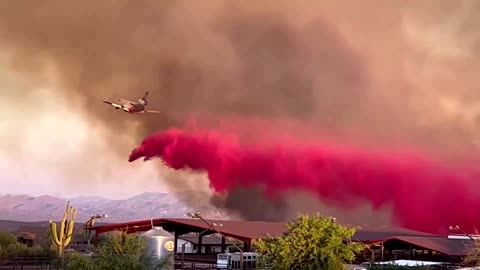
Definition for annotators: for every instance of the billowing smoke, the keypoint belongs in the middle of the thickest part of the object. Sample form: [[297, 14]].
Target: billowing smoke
[[425, 194], [400, 72]]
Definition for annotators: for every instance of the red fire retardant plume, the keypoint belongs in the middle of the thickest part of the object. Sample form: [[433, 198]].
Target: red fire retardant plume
[[424, 194]]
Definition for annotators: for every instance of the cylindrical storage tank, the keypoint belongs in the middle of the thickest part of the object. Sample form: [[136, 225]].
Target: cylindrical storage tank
[[160, 244]]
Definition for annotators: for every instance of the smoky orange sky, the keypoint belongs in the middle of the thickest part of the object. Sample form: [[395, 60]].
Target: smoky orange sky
[[398, 71]]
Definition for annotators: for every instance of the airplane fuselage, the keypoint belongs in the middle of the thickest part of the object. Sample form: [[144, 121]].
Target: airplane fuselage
[[133, 107]]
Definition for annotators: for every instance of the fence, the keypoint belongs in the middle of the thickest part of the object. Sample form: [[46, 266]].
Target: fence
[[37, 263], [27, 263]]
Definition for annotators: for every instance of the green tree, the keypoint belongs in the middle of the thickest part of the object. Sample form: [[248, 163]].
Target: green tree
[[472, 257], [310, 242], [118, 251], [6, 239]]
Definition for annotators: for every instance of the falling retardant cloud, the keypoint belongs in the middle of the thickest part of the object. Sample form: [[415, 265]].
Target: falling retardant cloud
[[425, 193], [391, 72]]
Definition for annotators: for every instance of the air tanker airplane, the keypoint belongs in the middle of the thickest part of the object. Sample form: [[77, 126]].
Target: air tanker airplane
[[132, 107]]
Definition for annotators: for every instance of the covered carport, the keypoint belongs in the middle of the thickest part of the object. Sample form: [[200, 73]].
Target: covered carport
[[245, 231]]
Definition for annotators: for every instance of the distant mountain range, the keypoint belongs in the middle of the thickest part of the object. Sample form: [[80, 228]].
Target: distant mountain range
[[143, 206]]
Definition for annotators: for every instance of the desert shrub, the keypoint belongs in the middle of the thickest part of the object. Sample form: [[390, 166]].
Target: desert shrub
[[79, 261], [3, 253], [6, 239], [17, 250]]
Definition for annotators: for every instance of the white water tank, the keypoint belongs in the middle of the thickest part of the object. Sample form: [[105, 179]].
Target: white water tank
[[160, 243]]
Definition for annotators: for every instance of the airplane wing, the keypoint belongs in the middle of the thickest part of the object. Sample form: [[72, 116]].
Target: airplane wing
[[113, 104], [149, 111]]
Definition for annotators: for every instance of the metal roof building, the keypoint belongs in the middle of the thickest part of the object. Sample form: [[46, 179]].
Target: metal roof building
[[242, 230], [245, 231], [386, 239]]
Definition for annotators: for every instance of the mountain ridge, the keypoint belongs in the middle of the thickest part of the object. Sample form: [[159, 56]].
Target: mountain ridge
[[26, 208]]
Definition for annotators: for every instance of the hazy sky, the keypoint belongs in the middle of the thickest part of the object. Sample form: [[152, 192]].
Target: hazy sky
[[48, 147], [395, 69]]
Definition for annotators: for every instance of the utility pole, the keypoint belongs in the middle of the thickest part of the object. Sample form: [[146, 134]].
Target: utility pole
[[212, 226], [90, 223]]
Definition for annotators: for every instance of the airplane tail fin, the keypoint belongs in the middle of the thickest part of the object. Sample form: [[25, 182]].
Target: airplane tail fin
[[144, 98]]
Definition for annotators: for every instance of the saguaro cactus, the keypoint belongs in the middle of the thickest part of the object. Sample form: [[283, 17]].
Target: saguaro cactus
[[64, 236]]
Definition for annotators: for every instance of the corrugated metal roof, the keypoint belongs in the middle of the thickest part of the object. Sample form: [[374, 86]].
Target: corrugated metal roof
[[237, 229], [240, 229], [450, 247], [374, 233], [258, 229]]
